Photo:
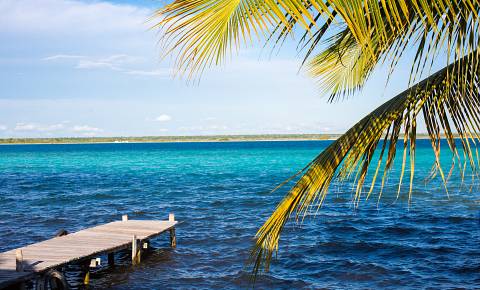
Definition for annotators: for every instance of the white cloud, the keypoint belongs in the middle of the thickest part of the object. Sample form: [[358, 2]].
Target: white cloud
[[86, 128], [70, 17], [41, 130], [25, 127], [38, 127], [163, 118], [114, 62], [88, 64], [78, 36], [3, 127], [118, 62], [83, 27], [63, 56]]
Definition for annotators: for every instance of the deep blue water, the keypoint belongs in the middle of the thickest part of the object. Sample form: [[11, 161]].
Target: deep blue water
[[221, 193]]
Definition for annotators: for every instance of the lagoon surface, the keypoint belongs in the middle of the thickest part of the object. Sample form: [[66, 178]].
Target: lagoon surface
[[221, 194]]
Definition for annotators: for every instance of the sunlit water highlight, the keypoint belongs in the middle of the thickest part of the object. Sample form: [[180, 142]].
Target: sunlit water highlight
[[220, 191]]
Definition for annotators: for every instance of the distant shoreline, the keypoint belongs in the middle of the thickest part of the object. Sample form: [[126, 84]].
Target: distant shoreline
[[176, 139]]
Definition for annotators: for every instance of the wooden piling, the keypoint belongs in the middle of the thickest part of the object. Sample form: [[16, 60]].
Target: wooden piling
[[146, 245], [173, 238], [85, 266], [95, 262], [86, 279], [19, 267], [19, 260], [136, 250]]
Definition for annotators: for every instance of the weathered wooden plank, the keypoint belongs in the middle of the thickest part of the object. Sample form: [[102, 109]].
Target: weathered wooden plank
[[19, 264]]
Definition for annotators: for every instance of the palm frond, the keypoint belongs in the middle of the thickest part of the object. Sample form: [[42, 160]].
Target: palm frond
[[384, 30], [449, 101], [202, 32], [342, 68]]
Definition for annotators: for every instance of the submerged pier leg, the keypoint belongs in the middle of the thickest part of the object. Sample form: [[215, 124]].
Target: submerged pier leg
[[86, 279], [19, 266], [173, 238], [111, 259], [136, 250], [86, 270], [19, 260]]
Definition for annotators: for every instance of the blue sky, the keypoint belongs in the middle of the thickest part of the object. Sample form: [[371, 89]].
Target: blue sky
[[92, 68]]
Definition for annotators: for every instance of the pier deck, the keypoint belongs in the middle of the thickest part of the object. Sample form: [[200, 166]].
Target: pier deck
[[24, 263]]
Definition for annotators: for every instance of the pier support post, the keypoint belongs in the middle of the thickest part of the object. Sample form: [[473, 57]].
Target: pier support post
[[19, 267], [173, 238], [145, 245], [86, 269], [86, 279], [136, 250], [19, 260], [111, 259]]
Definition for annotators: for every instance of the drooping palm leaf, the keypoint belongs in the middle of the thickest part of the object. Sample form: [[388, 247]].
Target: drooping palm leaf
[[202, 32], [449, 101]]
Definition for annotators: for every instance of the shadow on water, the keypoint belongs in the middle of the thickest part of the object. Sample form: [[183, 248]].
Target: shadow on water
[[105, 276]]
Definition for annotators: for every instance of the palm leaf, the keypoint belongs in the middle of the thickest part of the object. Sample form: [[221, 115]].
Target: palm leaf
[[204, 31], [449, 101], [383, 30], [342, 68]]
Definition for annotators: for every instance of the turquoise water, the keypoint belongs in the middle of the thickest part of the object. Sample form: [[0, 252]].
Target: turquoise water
[[220, 191]]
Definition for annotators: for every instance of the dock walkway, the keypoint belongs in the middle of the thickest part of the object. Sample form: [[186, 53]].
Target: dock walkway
[[22, 264]]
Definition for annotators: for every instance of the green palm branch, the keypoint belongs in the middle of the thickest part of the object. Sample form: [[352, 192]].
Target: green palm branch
[[343, 42]]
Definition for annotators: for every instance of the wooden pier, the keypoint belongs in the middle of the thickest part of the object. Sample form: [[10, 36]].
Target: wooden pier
[[40, 260]]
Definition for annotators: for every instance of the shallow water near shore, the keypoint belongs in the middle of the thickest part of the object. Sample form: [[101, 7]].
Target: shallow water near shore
[[221, 194]]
